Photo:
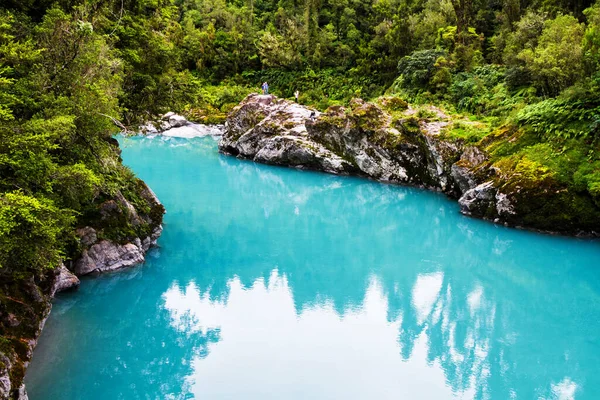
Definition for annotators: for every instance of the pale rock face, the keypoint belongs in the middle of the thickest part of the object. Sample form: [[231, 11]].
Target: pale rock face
[[464, 177], [168, 121], [296, 152], [479, 199], [108, 256], [462, 171], [87, 235], [177, 121], [192, 130], [104, 256], [275, 131], [150, 241], [148, 128], [5, 385], [504, 206], [65, 280], [22, 393]]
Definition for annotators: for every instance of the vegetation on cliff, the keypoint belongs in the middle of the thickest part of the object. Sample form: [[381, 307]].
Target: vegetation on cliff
[[60, 82], [530, 67]]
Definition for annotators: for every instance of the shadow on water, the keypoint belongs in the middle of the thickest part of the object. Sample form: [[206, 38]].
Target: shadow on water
[[275, 283]]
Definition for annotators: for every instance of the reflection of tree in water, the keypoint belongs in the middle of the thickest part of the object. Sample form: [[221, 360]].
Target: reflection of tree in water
[[495, 315], [128, 356], [483, 326]]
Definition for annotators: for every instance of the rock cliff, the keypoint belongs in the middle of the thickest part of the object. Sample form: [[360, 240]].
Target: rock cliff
[[365, 139], [121, 229]]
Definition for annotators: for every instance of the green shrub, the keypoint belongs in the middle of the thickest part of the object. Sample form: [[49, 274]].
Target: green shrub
[[559, 119], [31, 231], [418, 68]]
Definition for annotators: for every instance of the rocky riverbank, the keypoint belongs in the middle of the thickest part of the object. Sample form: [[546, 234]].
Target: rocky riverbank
[[175, 125], [118, 235], [370, 140]]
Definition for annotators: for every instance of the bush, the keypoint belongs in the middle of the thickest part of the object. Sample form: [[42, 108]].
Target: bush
[[418, 68], [393, 103], [560, 119], [30, 233]]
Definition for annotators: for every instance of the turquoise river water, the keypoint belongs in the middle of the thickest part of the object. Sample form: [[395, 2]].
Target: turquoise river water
[[273, 283]]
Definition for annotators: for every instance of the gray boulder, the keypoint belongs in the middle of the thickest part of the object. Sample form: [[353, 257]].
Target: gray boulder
[[108, 256], [176, 121], [64, 280], [479, 201]]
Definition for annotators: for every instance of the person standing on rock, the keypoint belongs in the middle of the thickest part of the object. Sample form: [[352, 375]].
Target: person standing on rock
[[265, 88], [296, 94]]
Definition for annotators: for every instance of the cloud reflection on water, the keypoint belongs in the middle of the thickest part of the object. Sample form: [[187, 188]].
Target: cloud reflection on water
[[273, 350]]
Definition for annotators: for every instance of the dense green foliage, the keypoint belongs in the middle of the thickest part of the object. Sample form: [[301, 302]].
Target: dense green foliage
[[60, 83]]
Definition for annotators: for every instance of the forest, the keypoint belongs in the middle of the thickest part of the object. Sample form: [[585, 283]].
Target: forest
[[70, 69]]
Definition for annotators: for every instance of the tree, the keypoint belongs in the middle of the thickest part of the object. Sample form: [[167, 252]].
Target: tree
[[557, 61]]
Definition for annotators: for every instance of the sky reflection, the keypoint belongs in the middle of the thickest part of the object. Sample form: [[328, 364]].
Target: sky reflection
[[275, 351]]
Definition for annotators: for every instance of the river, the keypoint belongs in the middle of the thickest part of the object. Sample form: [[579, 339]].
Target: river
[[273, 283]]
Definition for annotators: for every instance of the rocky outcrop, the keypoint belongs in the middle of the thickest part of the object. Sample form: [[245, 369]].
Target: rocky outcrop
[[24, 306], [364, 139], [123, 233], [164, 123], [359, 140], [65, 280], [105, 255], [173, 125], [121, 230]]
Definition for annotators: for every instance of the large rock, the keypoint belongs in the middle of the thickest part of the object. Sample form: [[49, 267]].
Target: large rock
[[479, 201], [108, 256], [463, 171], [176, 121], [166, 122], [65, 280], [361, 140], [119, 218]]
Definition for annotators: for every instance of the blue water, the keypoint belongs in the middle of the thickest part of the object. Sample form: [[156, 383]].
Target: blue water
[[272, 283]]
